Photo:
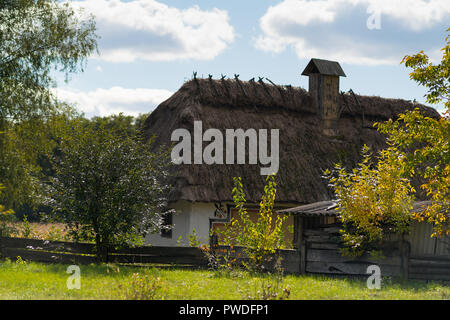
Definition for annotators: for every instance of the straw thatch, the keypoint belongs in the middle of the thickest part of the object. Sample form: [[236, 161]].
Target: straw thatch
[[304, 151]]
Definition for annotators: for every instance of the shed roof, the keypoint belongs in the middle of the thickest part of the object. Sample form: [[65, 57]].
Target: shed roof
[[326, 67], [321, 208], [328, 208]]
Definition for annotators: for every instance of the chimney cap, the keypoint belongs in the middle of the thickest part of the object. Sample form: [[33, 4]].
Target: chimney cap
[[325, 67]]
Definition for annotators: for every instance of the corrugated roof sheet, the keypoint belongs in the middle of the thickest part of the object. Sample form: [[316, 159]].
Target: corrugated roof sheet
[[322, 208], [327, 208], [326, 67]]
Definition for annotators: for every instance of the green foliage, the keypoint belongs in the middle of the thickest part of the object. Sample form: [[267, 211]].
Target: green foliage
[[41, 281], [36, 38], [108, 187], [26, 230], [143, 287], [223, 262], [271, 287], [7, 219], [194, 240], [435, 77], [20, 261], [260, 239], [373, 199], [56, 234], [424, 142]]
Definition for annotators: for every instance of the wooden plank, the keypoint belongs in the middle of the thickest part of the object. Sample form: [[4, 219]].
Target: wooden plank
[[161, 251], [315, 232], [301, 245], [37, 244], [303, 257], [427, 270], [332, 230], [133, 258], [421, 276], [317, 238], [335, 256], [349, 268], [323, 245], [290, 261], [43, 256], [429, 263], [431, 257]]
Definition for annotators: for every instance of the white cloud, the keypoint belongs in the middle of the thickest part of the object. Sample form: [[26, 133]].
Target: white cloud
[[153, 31], [104, 102], [337, 29]]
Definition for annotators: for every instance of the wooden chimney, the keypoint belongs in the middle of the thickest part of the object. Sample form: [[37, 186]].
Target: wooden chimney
[[324, 89]]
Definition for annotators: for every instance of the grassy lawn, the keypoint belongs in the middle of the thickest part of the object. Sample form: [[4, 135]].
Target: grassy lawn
[[46, 281]]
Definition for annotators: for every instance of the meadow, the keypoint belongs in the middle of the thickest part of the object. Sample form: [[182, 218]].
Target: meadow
[[30, 280]]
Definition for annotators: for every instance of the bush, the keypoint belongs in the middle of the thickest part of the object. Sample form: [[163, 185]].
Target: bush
[[143, 287], [7, 220], [261, 239]]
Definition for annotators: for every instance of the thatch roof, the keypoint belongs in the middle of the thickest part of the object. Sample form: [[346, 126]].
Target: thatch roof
[[304, 151]]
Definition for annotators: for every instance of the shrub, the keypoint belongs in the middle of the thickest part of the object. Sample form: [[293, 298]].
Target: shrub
[[26, 229], [261, 239], [143, 287], [7, 219]]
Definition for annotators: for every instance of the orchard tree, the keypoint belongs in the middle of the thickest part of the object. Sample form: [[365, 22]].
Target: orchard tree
[[37, 37], [374, 199], [424, 141], [108, 187]]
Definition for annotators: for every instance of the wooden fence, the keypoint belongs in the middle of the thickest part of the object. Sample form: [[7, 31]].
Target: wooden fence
[[321, 249], [322, 246], [290, 259], [84, 253]]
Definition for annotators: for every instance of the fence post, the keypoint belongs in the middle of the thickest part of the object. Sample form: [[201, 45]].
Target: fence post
[[301, 247], [303, 258], [404, 251]]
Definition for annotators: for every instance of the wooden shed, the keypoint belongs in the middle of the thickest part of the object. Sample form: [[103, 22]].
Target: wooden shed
[[416, 255]]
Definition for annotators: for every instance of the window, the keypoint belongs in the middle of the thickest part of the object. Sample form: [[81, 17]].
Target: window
[[168, 221]]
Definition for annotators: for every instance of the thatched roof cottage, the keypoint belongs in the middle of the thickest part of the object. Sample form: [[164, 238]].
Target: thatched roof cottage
[[317, 128]]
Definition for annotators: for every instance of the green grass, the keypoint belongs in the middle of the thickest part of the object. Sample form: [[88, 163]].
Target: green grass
[[48, 281]]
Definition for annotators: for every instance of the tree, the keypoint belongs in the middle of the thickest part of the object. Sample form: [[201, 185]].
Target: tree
[[424, 141], [108, 187], [6, 220], [376, 195], [374, 199], [261, 238], [36, 37]]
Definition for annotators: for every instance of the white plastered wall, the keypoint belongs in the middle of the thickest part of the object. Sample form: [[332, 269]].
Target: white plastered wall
[[188, 216]]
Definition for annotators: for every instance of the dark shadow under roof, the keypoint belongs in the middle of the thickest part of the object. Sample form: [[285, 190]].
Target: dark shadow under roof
[[325, 67]]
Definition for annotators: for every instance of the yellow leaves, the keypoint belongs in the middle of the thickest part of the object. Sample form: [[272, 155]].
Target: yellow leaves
[[371, 196]]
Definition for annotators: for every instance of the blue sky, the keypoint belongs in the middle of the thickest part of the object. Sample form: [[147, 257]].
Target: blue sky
[[149, 48]]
